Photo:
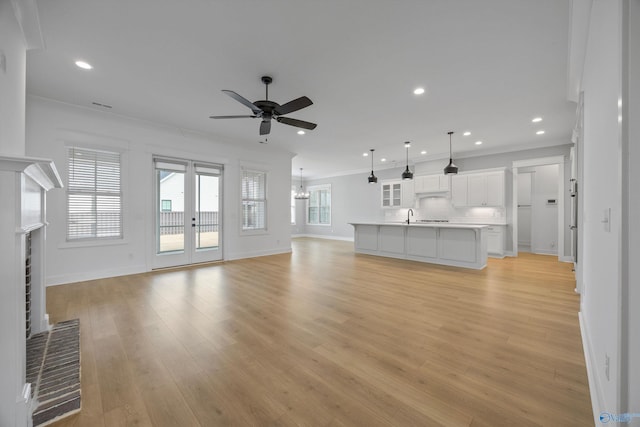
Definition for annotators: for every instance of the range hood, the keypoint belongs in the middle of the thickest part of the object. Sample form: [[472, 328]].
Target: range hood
[[442, 193]]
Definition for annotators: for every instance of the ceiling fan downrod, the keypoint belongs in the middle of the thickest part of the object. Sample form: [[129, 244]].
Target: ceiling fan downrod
[[267, 81]]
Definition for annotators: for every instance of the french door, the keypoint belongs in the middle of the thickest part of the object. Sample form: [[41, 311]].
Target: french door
[[188, 219]]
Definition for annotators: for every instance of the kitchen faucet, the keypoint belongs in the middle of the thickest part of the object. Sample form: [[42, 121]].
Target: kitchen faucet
[[410, 211]]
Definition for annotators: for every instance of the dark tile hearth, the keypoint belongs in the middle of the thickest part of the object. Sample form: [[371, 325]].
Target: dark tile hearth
[[53, 369]]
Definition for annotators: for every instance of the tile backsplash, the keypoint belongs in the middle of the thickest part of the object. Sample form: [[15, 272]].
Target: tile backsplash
[[441, 208]]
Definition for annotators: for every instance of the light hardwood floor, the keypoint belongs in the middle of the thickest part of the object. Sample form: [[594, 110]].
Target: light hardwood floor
[[325, 337]]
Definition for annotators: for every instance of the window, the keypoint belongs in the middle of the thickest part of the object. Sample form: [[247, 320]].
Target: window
[[293, 205], [94, 196], [165, 205], [319, 205], [254, 200]]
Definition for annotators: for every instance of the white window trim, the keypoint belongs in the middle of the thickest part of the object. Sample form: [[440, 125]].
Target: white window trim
[[124, 205], [319, 187], [293, 205], [260, 231]]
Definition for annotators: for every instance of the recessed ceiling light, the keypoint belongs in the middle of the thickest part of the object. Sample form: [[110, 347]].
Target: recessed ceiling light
[[365, 154], [467, 133], [540, 132], [383, 159], [478, 142], [84, 65], [423, 152], [418, 91], [537, 119], [301, 132]]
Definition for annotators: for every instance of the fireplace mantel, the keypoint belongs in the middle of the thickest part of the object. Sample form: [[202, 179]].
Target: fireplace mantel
[[24, 182], [42, 171]]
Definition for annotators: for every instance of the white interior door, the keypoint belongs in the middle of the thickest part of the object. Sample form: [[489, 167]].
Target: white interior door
[[524, 211], [187, 206]]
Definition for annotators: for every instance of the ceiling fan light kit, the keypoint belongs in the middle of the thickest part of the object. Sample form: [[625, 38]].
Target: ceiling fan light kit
[[450, 169], [268, 110]]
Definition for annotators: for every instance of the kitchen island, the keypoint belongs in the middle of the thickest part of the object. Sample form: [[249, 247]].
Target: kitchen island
[[459, 245]]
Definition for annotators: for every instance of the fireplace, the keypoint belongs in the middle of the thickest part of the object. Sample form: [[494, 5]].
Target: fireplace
[[27, 282], [24, 183]]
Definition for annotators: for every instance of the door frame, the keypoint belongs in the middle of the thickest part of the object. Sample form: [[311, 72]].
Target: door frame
[[189, 255], [543, 161]]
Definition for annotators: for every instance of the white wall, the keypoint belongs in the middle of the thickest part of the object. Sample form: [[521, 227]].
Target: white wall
[[525, 182], [631, 113], [601, 191], [352, 199], [12, 83], [51, 125]]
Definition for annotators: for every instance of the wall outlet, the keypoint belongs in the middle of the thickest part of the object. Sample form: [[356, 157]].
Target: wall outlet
[[606, 366]]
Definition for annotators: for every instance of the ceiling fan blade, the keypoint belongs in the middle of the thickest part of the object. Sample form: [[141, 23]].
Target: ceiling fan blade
[[265, 127], [297, 123], [232, 117], [243, 100], [295, 105]]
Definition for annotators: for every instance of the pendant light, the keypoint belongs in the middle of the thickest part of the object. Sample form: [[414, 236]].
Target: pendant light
[[407, 174], [450, 169], [372, 178], [301, 195]]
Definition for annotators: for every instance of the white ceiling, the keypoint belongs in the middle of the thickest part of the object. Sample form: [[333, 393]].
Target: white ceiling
[[487, 66]]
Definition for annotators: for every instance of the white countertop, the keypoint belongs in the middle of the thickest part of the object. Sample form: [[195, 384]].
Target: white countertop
[[423, 224]]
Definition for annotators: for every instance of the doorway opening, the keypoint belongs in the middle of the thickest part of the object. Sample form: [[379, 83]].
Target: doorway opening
[[538, 206]]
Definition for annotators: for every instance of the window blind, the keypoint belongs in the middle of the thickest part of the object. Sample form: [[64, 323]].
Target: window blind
[[254, 200], [319, 205], [94, 196]]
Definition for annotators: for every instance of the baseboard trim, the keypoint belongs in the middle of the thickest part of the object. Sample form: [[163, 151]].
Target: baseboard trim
[[324, 236], [257, 254], [63, 279], [597, 398]]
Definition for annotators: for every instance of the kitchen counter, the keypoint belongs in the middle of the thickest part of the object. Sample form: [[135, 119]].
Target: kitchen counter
[[459, 245], [424, 224]]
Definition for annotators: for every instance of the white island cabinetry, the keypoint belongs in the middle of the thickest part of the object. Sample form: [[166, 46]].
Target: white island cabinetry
[[460, 245]]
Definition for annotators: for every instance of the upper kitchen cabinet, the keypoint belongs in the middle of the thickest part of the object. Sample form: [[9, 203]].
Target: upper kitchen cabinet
[[478, 189], [431, 184], [398, 194]]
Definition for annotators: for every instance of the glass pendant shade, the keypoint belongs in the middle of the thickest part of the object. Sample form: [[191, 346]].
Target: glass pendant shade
[[450, 169], [407, 174], [301, 195], [372, 178]]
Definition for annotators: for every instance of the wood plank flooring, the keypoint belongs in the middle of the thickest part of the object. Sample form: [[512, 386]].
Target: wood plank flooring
[[325, 337]]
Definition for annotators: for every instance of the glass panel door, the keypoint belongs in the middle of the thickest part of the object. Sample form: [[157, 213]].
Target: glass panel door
[[187, 209], [206, 222]]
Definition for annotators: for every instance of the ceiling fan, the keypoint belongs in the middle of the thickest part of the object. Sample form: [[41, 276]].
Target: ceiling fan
[[267, 110]]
